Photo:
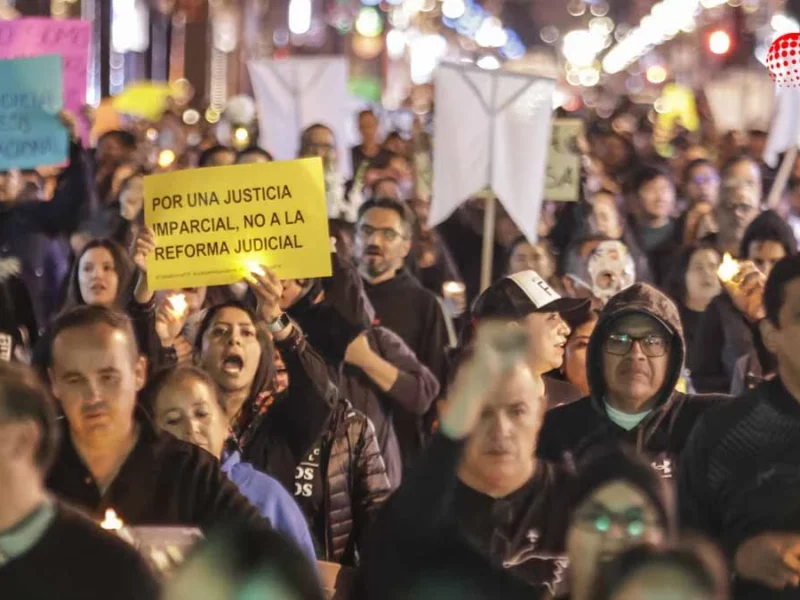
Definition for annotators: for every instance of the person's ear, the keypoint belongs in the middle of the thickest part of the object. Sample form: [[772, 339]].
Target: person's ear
[[23, 439], [140, 372], [769, 335]]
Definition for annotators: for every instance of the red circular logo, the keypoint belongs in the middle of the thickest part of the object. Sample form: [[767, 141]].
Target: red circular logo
[[783, 60]]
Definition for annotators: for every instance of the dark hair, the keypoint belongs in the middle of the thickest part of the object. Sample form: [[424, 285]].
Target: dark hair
[[23, 396], [697, 162], [735, 160], [266, 367], [122, 265], [675, 284], [126, 138], [246, 555], [620, 462], [696, 558], [208, 154], [168, 376], [367, 113], [372, 187], [768, 227], [783, 273], [401, 208], [305, 137], [647, 174], [86, 315], [544, 242], [254, 150]]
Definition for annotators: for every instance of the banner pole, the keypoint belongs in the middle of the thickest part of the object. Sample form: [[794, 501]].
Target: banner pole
[[782, 177], [487, 253]]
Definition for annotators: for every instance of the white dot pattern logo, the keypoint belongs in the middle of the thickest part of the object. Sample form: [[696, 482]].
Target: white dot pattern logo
[[783, 60]]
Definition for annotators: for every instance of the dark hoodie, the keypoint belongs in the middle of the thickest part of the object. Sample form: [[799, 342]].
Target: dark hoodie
[[578, 427]]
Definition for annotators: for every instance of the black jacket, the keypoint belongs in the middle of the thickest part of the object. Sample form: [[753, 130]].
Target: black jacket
[[576, 428], [76, 560], [412, 312], [723, 337], [740, 474], [164, 481], [356, 484], [437, 529]]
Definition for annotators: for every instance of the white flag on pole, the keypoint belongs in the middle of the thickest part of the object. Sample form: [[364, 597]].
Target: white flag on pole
[[292, 94], [492, 128], [785, 129]]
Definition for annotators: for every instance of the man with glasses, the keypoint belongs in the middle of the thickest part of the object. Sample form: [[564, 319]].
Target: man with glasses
[[382, 243], [701, 182], [634, 361], [739, 202]]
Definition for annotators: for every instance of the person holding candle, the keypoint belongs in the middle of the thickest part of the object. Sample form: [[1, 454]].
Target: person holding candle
[[728, 329], [738, 480], [48, 549], [111, 455]]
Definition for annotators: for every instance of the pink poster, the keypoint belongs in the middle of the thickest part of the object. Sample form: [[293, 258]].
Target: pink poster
[[71, 38]]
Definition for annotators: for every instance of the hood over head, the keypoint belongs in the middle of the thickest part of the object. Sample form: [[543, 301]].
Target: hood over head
[[640, 298]]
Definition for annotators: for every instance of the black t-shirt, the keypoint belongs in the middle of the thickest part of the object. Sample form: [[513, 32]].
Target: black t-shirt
[[515, 543], [76, 560]]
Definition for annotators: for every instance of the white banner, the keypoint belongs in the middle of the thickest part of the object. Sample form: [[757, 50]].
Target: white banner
[[491, 128], [293, 93]]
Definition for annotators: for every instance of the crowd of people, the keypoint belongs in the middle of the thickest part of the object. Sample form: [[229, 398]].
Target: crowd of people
[[614, 417]]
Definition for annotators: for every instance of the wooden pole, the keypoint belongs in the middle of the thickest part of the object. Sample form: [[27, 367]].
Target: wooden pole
[[487, 254], [776, 191]]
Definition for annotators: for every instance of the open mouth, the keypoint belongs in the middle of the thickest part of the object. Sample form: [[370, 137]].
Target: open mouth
[[233, 364]]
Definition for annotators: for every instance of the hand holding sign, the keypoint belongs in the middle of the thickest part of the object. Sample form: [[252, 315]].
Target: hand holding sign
[[144, 246], [268, 290]]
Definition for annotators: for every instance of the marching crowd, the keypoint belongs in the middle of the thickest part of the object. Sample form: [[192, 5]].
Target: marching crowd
[[616, 416]]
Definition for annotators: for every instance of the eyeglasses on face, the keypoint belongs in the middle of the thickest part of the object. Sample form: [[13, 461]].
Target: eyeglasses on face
[[652, 344], [387, 233], [632, 523], [701, 179]]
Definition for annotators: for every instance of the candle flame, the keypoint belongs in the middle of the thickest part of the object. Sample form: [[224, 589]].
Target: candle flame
[[112, 522], [728, 268], [178, 303], [254, 267]]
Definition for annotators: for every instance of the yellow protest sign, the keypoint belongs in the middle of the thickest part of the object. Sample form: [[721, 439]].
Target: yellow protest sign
[[563, 178], [213, 226]]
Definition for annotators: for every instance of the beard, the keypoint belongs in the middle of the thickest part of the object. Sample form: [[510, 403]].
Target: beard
[[375, 266]]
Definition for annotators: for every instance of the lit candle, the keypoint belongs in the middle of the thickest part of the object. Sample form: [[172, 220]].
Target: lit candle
[[179, 305], [254, 267], [112, 522], [166, 158], [728, 268]]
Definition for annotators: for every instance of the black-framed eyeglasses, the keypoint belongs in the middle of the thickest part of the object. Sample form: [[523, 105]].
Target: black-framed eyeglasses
[[653, 345], [631, 522], [386, 233]]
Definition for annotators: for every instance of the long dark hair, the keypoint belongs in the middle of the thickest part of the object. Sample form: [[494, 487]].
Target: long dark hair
[[122, 265], [675, 284], [265, 373]]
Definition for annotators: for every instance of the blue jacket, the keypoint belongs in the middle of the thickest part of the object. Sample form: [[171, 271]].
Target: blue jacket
[[271, 500]]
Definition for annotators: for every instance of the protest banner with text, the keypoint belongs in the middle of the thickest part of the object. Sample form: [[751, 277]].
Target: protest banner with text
[[31, 133], [214, 226], [563, 179], [69, 38]]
